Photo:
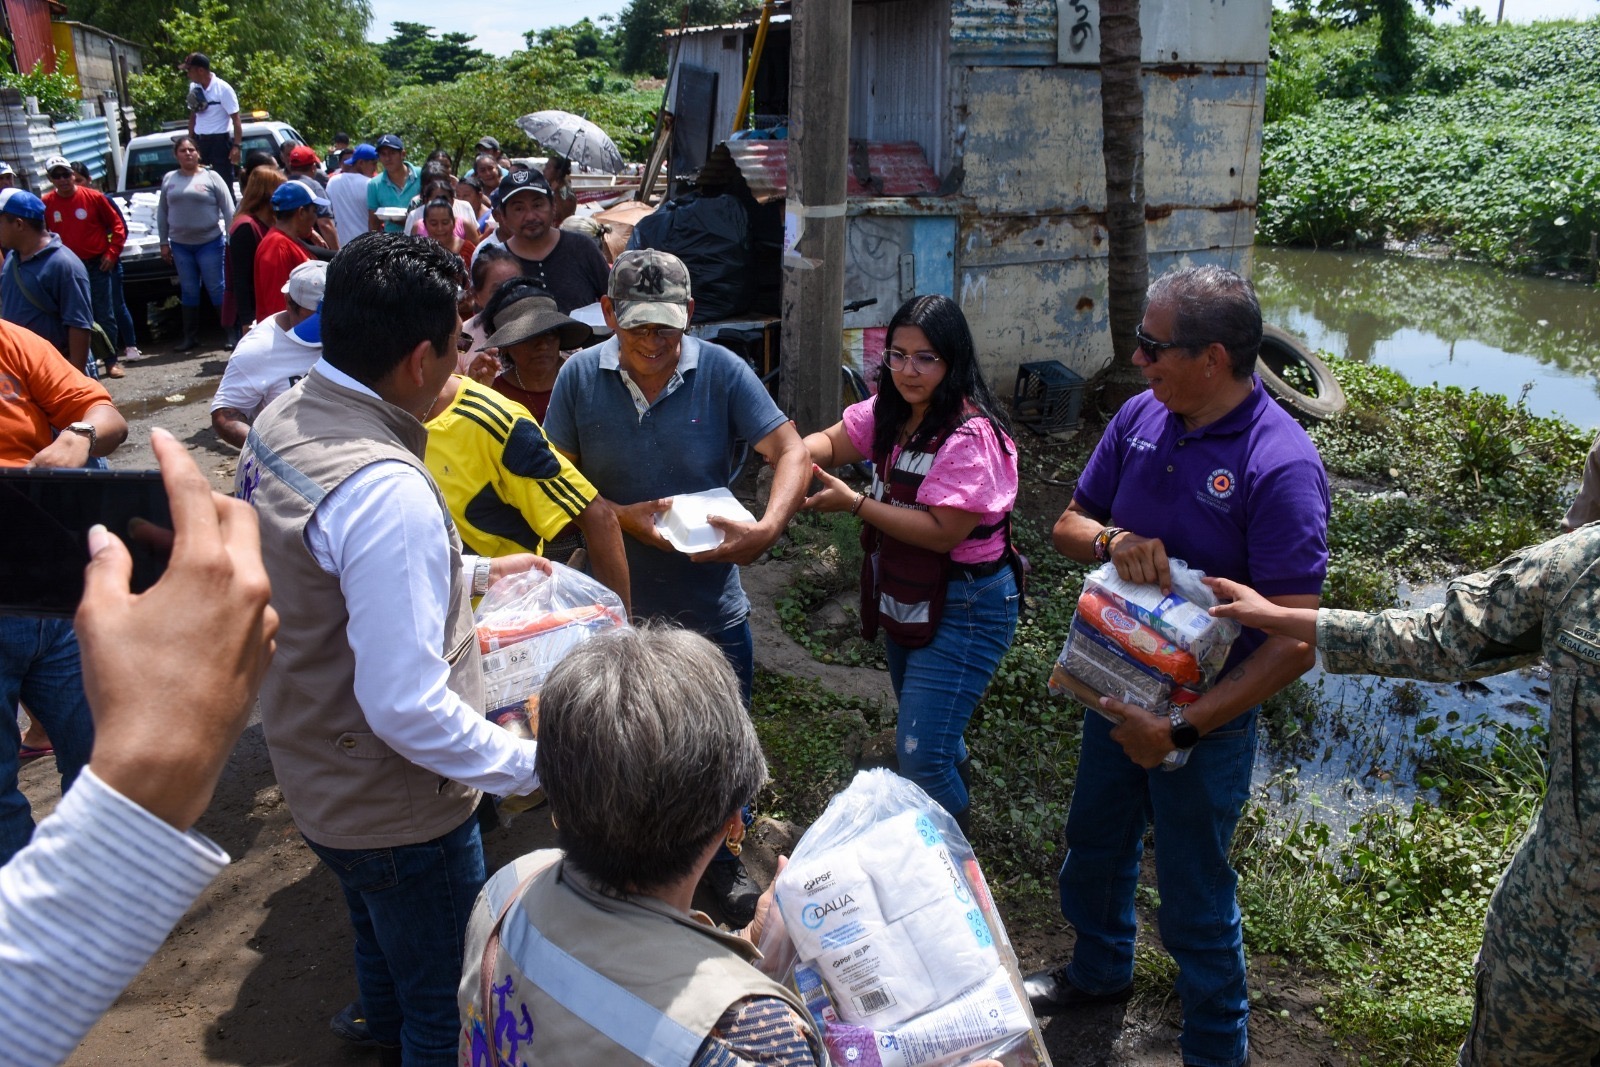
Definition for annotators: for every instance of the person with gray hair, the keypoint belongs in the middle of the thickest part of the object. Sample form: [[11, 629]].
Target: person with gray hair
[[1207, 468], [592, 953]]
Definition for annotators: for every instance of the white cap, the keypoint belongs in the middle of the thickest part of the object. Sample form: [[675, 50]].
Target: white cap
[[56, 163], [306, 284], [5, 168]]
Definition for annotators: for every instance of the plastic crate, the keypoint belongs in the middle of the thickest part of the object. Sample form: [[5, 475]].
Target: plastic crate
[[1048, 397]]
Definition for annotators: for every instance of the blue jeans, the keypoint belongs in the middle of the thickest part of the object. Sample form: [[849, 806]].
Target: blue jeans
[[409, 906], [738, 648], [105, 314], [39, 666], [199, 266], [938, 685], [128, 334], [1195, 810]]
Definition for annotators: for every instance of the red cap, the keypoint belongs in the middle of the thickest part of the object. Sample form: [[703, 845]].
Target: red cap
[[302, 156]]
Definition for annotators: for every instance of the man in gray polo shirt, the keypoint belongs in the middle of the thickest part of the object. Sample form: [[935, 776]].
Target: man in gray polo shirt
[[652, 412]]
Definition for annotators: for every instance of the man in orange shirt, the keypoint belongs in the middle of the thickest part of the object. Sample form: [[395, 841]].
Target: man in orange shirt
[[94, 232], [283, 248], [51, 415]]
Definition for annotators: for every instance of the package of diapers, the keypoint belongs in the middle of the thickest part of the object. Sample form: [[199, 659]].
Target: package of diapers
[[891, 938]]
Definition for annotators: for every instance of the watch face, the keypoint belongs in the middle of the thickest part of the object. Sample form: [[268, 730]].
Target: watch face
[[1184, 733]]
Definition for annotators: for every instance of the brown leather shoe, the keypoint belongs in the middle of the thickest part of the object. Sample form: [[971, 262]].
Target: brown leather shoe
[[116, 371]]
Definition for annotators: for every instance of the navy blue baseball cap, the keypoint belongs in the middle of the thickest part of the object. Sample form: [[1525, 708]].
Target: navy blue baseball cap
[[389, 140]]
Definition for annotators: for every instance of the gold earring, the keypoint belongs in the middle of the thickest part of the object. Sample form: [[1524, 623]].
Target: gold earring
[[735, 845]]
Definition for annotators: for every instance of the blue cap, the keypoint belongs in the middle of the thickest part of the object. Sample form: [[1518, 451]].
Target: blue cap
[[289, 196], [21, 203], [389, 140], [363, 151], [309, 331]]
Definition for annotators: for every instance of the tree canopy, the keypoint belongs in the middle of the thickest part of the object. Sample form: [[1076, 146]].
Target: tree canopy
[[309, 62], [413, 55]]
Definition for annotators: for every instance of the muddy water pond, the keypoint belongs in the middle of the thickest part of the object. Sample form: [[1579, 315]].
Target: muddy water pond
[[1359, 740], [1444, 322]]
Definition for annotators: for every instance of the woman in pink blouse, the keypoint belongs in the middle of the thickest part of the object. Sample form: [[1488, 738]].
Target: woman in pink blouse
[[940, 575]]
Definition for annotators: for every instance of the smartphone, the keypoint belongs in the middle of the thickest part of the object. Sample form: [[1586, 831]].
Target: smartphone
[[45, 517]]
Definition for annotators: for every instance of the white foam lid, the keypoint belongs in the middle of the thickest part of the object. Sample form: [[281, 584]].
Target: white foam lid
[[686, 524]]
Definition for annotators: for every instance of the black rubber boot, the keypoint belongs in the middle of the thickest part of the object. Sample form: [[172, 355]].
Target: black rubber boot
[[191, 330]]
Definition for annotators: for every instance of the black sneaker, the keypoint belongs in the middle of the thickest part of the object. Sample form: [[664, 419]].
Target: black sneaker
[[351, 1025], [1052, 993], [734, 891]]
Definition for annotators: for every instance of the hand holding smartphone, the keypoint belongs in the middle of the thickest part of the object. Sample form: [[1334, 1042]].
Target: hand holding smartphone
[[45, 516]]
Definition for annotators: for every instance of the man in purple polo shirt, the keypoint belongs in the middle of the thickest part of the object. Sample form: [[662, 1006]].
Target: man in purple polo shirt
[[1207, 468]]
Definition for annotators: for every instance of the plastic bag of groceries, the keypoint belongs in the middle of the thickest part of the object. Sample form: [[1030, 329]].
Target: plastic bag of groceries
[[889, 935], [527, 623], [1135, 643]]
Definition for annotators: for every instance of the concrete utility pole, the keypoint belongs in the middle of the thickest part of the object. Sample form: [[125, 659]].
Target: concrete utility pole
[[819, 149]]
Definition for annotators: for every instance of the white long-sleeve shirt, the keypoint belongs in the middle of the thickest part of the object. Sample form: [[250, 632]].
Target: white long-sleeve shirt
[[82, 909], [379, 532]]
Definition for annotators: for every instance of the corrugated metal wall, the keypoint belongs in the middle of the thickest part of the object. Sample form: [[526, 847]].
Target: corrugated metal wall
[[898, 58], [723, 51], [87, 140], [30, 31]]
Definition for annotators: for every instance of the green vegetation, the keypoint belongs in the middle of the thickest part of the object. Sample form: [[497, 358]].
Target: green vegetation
[[1450, 481], [1388, 912], [57, 93], [308, 62], [488, 98], [305, 61], [1486, 152], [1394, 913]]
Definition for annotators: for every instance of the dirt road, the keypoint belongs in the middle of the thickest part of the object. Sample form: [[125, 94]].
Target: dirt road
[[253, 973]]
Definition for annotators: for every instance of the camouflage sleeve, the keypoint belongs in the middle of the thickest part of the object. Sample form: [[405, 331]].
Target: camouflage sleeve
[[1490, 622]]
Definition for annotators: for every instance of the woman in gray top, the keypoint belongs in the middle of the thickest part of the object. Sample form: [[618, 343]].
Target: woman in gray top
[[192, 216]]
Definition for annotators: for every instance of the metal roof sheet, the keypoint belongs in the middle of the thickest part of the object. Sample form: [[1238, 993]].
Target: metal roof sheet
[[895, 169]]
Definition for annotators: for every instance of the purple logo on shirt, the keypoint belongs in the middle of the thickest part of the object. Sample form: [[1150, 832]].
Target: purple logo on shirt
[[1221, 483]]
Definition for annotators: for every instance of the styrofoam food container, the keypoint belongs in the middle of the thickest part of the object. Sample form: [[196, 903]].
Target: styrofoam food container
[[686, 524], [391, 214]]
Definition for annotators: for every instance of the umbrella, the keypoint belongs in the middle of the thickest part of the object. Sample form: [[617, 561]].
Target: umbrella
[[574, 137]]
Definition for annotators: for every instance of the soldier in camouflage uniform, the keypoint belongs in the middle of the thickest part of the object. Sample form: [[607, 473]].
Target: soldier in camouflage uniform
[[1538, 974]]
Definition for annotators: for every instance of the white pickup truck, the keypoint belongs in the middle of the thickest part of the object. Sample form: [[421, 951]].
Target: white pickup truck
[[146, 277]]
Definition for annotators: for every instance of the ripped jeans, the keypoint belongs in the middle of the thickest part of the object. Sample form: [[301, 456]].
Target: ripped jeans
[[938, 685]]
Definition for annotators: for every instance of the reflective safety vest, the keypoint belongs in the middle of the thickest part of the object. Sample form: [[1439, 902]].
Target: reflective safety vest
[[560, 973], [902, 585]]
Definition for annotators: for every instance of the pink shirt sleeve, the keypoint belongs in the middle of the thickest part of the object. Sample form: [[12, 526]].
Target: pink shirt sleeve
[[973, 472], [859, 422]]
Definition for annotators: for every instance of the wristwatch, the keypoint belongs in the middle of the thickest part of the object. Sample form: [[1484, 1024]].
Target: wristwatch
[[1184, 734], [84, 429], [480, 576], [1102, 542]]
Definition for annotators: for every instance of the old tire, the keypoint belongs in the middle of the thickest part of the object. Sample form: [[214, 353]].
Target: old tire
[[1282, 353]]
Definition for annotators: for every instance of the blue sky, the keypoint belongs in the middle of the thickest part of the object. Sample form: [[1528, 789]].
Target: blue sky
[[499, 24]]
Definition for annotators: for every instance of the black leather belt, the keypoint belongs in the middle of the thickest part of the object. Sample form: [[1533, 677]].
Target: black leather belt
[[972, 571]]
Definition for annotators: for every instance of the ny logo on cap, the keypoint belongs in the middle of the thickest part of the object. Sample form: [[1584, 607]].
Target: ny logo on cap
[[651, 280]]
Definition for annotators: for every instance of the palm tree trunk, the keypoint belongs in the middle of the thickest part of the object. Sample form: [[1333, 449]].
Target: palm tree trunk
[[1128, 261]]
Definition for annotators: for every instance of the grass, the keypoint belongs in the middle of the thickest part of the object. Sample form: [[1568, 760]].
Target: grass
[[1430, 481]]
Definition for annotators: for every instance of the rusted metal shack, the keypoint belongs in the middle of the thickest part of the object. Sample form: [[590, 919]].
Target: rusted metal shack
[[1003, 99]]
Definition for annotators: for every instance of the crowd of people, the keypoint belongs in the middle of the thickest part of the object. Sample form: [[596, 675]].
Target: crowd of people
[[234, 227], [420, 415]]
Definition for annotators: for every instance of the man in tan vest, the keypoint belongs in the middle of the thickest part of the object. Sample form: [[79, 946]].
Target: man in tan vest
[[372, 710]]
